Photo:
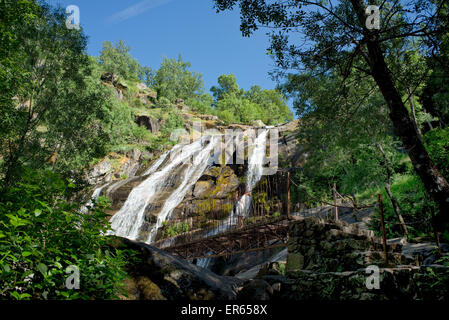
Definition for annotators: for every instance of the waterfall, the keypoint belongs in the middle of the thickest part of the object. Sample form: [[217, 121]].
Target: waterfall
[[131, 219], [242, 208], [167, 181], [95, 195]]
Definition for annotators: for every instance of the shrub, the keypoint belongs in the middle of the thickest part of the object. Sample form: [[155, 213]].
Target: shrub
[[437, 144], [42, 234], [416, 207]]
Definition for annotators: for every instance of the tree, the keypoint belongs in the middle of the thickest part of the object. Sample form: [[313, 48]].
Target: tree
[[272, 102], [202, 103], [336, 36], [349, 138], [435, 95], [174, 81], [55, 114], [227, 84], [117, 60], [15, 15], [270, 106]]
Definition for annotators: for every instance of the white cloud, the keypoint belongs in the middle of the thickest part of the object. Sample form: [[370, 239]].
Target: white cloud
[[136, 10]]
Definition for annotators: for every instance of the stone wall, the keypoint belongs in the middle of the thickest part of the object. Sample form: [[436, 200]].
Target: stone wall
[[329, 260]]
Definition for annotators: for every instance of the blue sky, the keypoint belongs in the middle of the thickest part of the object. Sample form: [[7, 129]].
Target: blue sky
[[156, 28]]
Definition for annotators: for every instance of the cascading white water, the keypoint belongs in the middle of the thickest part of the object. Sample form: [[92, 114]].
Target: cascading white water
[[157, 163], [242, 208], [129, 220], [95, 195], [193, 172], [255, 169], [113, 187]]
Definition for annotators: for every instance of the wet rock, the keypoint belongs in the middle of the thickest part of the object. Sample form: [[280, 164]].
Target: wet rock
[[203, 188]]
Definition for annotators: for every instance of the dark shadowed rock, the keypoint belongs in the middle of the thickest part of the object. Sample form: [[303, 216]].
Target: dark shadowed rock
[[256, 290], [150, 123]]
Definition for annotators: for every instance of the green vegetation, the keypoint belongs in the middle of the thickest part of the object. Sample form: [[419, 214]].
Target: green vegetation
[[176, 229], [174, 81], [117, 60], [43, 233], [373, 104], [234, 105]]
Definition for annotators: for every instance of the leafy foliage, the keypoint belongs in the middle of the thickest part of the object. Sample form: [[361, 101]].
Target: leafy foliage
[[437, 142], [416, 205], [233, 104], [116, 59], [42, 234], [55, 111], [174, 81]]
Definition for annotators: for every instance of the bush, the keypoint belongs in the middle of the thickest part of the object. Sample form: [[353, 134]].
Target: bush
[[173, 121], [226, 116], [416, 207], [42, 234], [437, 144]]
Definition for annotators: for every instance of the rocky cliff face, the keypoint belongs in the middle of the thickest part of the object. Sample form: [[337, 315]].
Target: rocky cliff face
[[215, 190]]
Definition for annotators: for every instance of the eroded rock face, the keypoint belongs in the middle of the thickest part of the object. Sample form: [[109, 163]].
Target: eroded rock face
[[213, 193], [150, 123], [202, 188], [177, 279], [117, 166]]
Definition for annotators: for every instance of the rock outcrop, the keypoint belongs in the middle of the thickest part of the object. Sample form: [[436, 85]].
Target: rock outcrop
[[117, 166], [152, 124]]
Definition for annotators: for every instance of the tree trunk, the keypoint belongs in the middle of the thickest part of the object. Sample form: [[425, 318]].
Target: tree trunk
[[434, 182], [412, 107], [396, 208], [393, 200]]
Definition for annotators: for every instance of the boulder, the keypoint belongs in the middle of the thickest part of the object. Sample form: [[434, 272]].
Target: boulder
[[100, 173], [179, 279], [258, 124], [203, 188]]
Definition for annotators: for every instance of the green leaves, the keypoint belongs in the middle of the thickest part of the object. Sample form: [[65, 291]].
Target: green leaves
[[42, 268], [20, 296], [52, 235], [174, 81], [15, 221], [235, 105], [115, 58]]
